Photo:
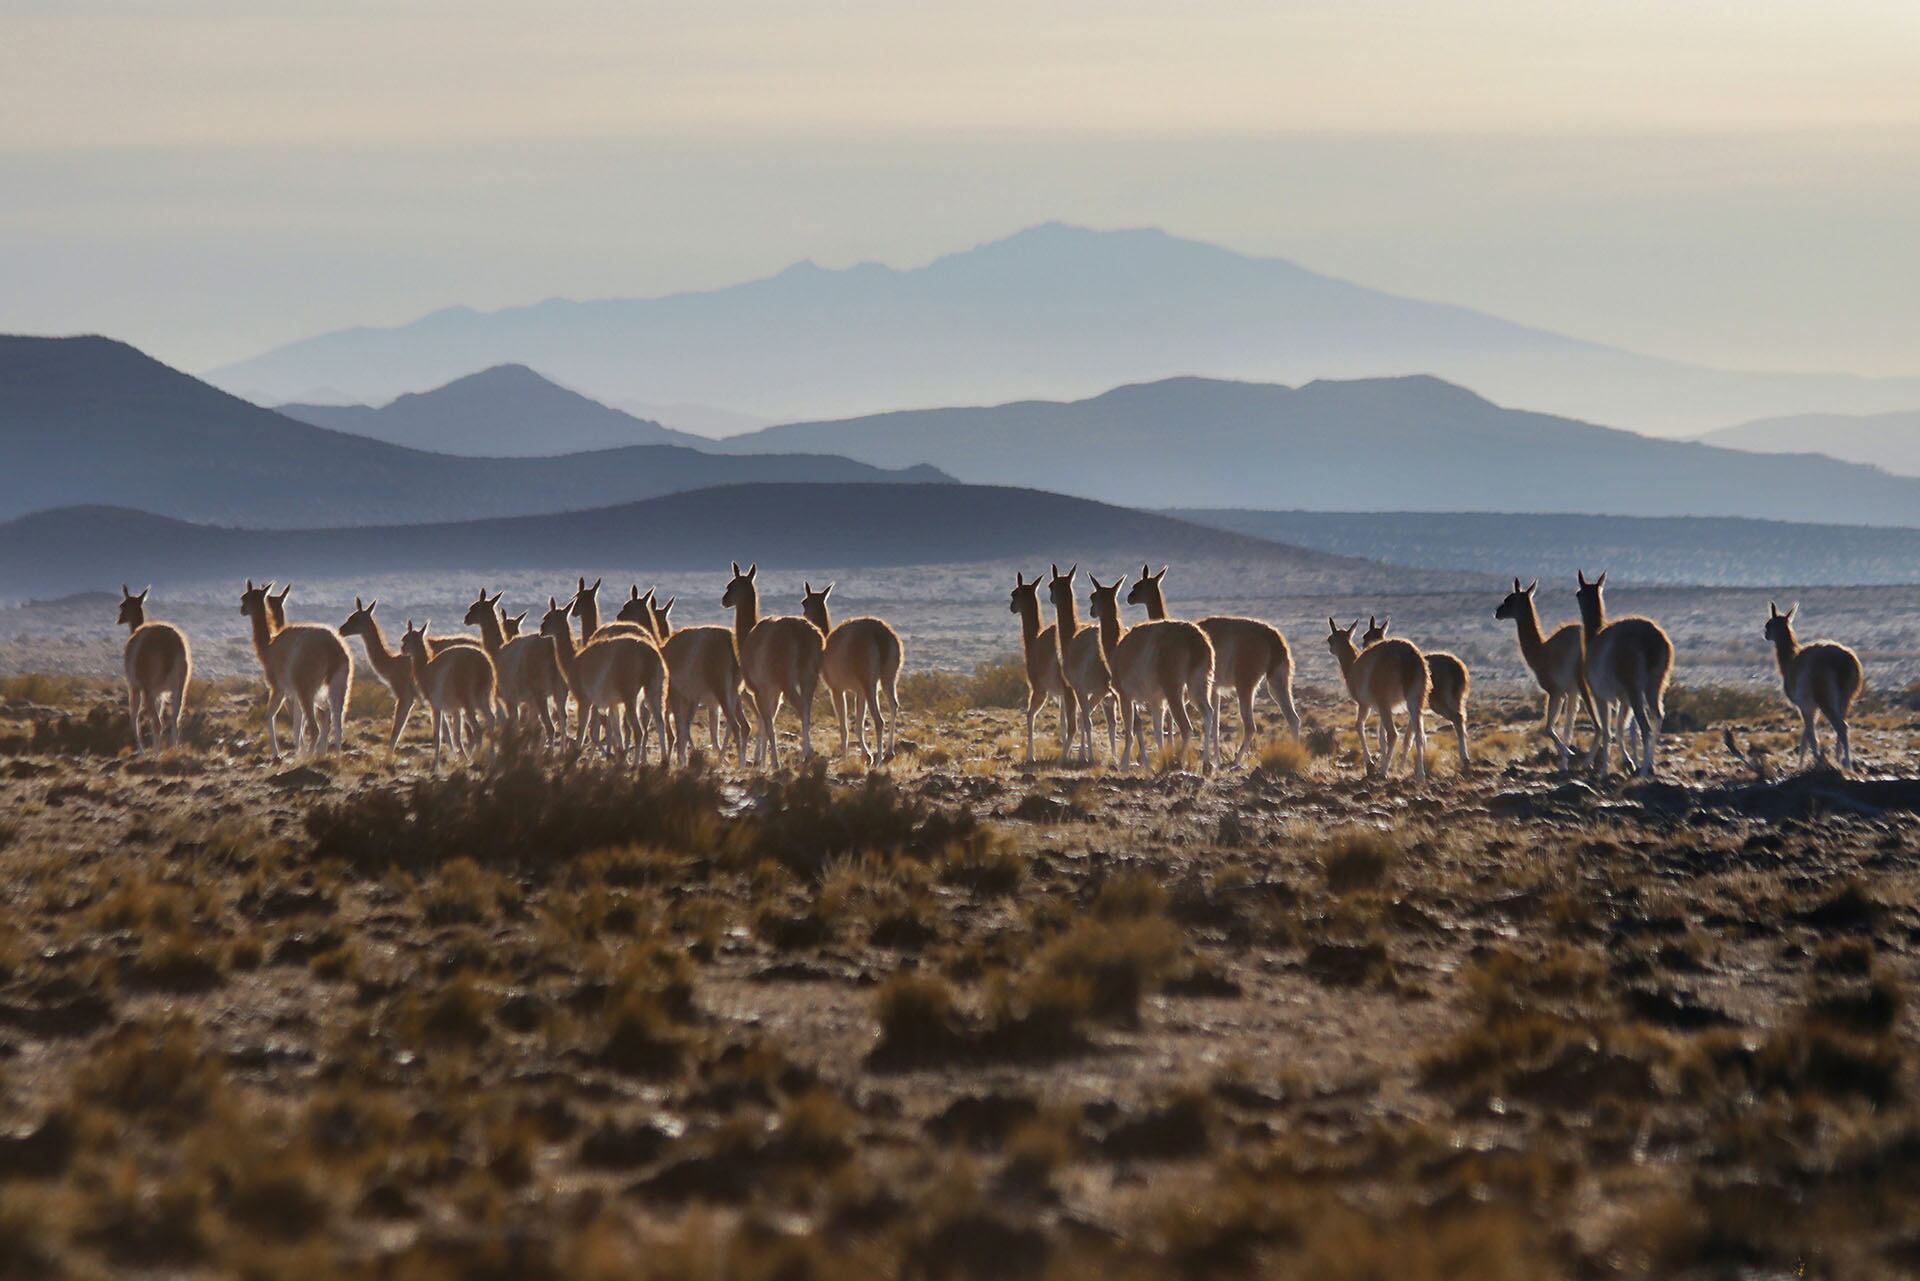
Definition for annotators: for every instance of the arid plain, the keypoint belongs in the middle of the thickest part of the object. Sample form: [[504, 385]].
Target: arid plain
[[966, 1017]]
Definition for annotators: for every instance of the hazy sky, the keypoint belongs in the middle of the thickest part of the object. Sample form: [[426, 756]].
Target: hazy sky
[[1730, 182]]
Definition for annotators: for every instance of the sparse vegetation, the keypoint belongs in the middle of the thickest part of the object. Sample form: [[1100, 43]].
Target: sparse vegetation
[[546, 1018]]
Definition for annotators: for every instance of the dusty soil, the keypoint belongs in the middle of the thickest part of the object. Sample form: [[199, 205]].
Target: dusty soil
[[970, 1018]]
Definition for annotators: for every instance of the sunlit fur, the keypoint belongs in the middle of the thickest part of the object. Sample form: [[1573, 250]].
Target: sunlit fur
[[860, 664], [1628, 663], [1447, 683], [1246, 652], [301, 661], [1821, 676], [1382, 680], [159, 666], [1558, 663], [780, 659]]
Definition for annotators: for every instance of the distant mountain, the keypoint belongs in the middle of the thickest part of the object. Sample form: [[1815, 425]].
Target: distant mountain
[[508, 411], [707, 421], [1392, 444], [1054, 311], [1889, 441], [90, 420], [1700, 551], [780, 526]]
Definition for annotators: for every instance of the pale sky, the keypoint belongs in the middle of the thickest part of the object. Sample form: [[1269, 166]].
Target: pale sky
[[1737, 183]]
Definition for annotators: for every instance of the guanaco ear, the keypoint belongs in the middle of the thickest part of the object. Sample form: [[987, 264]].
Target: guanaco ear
[[1372, 622], [1581, 574], [552, 604], [495, 602], [142, 597], [1144, 567], [806, 585], [596, 584], [1533, 586], [736, 569], [1790, 609], [124, 593], [633, 591], [482, 596], [1056, 568], [1333, 628], [1516, 584], [1386, 623], [520, 617], [829, 590], [249, 585], [357, 604], [1773, 610], [752, 570], [668, 607], [1602, 580], [583, 584], [1162, 574]]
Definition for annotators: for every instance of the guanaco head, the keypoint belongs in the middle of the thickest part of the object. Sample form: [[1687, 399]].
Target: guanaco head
[[277, 606], [133, 609], [554, 621], [482, 606], [360, 621], [1592, 607], [510, 626], [1376, 630], [1340, 642], [1105, 600], [740, 588], [1779, 625], [1147, 590], [1518, 601], [663, 616], [813, 605], [413, 642], [638, 607], [253, 601], [1060, 586], [586, 599], [1025, 595]]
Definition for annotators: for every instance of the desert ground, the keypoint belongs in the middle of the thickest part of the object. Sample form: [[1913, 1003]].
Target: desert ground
[[543, 1017]]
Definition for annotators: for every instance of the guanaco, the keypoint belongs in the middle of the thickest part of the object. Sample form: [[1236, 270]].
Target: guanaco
[[1246, 652], [780, 658], [614, 676], [1383, 679], [458, 684], [526, 668], [1157, 663], [1042, 656], [702, 671], [1558, 662], [1628, 663], [1822, 676], [861, 661], [159, 664], [1447, 682], [393, 667], [301, 661], [1083, 661]]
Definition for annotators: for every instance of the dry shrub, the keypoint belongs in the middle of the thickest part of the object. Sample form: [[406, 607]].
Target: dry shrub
[[1000, 682], [1359, 858], [160, 1072], [918, 1019], [1118, 960], [983, 865], [1284, 757], [1691, 708]]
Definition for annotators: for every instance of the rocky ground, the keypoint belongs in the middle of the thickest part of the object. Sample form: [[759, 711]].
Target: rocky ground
[[968, 1018]]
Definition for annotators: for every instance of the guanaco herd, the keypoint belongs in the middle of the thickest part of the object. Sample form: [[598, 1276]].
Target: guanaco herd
[[639, 677]]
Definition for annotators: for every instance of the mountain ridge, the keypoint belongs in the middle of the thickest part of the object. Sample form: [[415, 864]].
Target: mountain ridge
[[94, 420], [1053, 311]]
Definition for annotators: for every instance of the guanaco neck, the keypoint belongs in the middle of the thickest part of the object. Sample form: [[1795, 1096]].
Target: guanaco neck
[[1593, 614], [493, 638], [1106, 614], [1785, 648], [387, 662], [817, 614], [1156, 602], [1029, 621], [1066, 616], [1345, 654], [746, 612], [136, 617], [262, 632], [1533, 646], [587, 605], [564, 651], [415, 656]]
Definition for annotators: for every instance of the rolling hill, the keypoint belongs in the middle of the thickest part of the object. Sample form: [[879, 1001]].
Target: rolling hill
[[1704, 551], [780, 525], [1389, 444], [1053, 311], [508, 411], [1888, 441], [90, 420]]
